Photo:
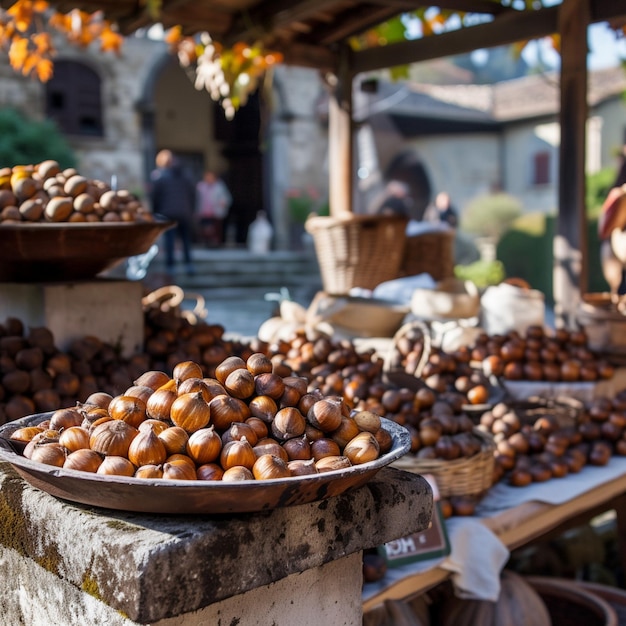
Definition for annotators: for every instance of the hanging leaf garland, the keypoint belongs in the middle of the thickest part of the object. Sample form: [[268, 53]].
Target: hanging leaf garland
[[229, 75]]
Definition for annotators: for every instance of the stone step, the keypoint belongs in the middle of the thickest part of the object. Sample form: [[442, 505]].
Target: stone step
[[231, 269]]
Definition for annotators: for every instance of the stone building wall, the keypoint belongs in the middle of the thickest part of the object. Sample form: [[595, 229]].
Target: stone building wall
[[119, 151], [146, 107]]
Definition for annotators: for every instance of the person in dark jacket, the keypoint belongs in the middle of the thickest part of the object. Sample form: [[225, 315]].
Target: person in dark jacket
[[396, 200], [173, 195], [447, 213]]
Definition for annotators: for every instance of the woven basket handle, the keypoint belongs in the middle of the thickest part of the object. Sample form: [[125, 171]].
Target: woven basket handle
[[170, 298], [164, 298], [403, 330]]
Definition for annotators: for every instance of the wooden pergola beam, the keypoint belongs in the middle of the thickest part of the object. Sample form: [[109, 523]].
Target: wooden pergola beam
[[570, 242], [508, 28], [341, 139]]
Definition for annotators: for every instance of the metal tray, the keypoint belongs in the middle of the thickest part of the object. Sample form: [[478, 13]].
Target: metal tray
[[42, 252], [191, 497]]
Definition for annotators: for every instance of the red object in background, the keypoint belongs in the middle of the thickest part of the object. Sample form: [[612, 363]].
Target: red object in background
[[613, 214]]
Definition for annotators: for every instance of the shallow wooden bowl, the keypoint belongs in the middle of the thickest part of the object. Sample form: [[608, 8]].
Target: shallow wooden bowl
[[61, 251], [192, 496]]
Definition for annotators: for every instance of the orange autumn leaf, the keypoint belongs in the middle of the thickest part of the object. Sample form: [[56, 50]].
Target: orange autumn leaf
[[439, 19], [271, 58], [111, 41], [7, 31], [22, 14], [82, 37], [239, 47], [94, 29], [18, 51], [42, 42], [556, 41], [60, 22], [372, 38], [30, 62], [44, 69], [427, 28], [174, 36]]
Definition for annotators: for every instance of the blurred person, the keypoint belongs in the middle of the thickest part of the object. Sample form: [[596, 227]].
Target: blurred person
[[396, 200], [214, 200], [442, 210], [173, 195], [612, 235]]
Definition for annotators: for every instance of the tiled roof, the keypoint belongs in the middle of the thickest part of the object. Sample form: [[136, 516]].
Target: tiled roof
[[517, 99], [410, 100]]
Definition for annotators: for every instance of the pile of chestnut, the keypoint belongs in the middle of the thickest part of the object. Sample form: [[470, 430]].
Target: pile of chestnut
[[540, 354], [437, 396], [36, 376], [46, 193], [247, 423], [541, 444]]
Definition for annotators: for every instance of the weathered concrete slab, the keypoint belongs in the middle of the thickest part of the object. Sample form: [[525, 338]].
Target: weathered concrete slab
[[329, 594], [149, 568], [108, 309]]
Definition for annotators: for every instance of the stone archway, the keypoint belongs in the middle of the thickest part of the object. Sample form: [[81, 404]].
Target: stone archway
[[408, 168], [175, 115]]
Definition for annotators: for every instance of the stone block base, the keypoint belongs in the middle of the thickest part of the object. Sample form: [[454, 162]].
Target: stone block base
[[108, 309]]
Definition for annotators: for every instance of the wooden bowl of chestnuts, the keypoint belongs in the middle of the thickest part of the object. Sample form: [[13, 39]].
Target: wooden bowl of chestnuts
[[247, 440], [56, 224]]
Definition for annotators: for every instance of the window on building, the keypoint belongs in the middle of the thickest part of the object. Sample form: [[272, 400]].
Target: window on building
[[541, 168], [73, 99]]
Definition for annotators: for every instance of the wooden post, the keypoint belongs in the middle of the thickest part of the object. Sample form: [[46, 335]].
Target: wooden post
[[570, 242], [340, 139]]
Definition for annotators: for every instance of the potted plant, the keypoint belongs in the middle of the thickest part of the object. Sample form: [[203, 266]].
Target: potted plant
[[300, 204]]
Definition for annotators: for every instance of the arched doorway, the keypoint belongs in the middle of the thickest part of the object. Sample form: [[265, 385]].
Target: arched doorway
[[239, 139], [177, 116]]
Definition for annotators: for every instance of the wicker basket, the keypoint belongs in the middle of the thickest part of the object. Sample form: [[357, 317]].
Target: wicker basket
[[470, 476], [357, 250], [430, 252], [604, 324]]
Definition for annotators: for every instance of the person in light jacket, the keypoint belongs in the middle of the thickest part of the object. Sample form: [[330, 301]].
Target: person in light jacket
[[214, 200]]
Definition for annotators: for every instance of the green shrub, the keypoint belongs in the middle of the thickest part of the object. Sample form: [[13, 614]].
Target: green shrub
[[490, 215], [598, 187], [24, 141], [531, 223], [537, 267], [481, 273]]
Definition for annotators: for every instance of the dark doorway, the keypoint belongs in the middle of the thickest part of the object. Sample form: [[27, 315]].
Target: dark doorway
[[244, 175]]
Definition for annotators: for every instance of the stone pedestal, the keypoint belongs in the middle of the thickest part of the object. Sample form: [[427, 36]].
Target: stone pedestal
[[108, 309], [71, 564]]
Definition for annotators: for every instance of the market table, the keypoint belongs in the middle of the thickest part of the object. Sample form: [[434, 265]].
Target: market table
[[507, 518]]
